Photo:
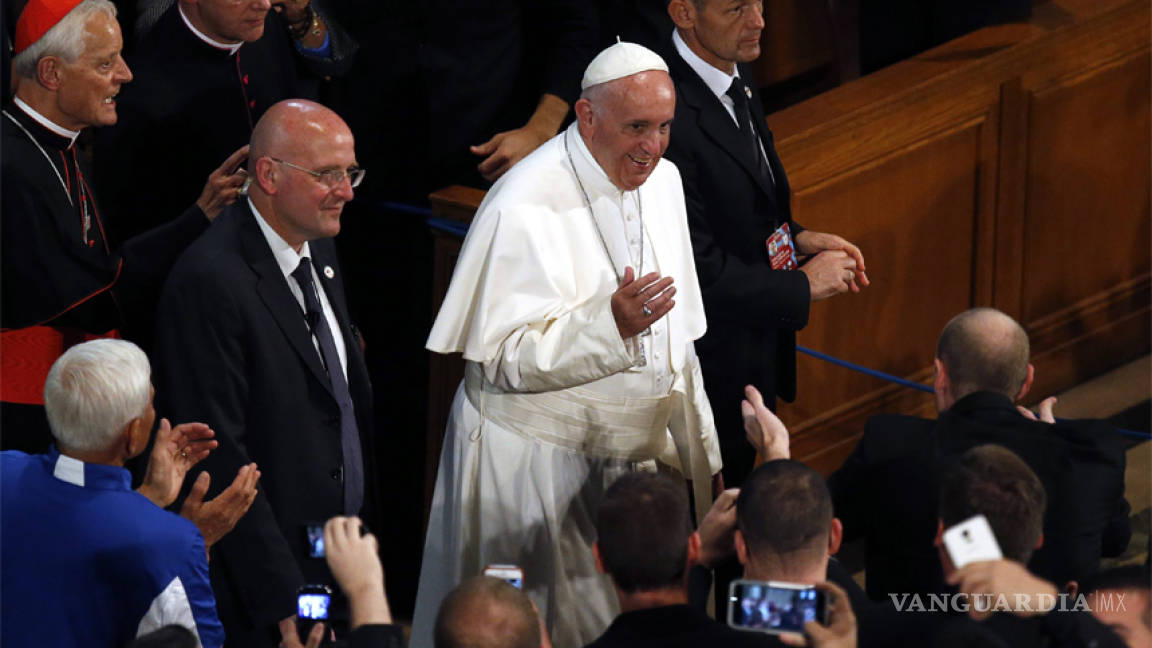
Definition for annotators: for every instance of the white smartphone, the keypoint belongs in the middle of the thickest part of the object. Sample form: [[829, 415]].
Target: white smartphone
[[511, 574], [971, 541]]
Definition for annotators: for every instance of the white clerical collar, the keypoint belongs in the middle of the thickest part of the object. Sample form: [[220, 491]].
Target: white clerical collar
[[587, 166], [45, 122], [231, 47], [718, 81], [286, 257]]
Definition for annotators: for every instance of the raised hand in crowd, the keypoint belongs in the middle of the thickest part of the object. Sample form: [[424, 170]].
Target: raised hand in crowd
[[717, 529], [985, 582], [216, 517], [841, 629], [224, 184], [354, 562], [765, 430], [174, 452], [1044, 409]]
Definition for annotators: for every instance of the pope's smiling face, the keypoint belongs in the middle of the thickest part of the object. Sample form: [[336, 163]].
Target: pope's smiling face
[[626, 124]]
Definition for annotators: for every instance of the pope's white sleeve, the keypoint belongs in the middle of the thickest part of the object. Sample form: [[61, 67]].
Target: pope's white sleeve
[[573, 348]]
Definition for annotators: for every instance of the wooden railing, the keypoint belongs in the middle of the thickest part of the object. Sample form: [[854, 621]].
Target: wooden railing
[[1007, 168]]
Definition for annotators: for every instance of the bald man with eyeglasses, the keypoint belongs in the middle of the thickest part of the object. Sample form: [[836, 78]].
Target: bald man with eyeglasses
[[254, 335]]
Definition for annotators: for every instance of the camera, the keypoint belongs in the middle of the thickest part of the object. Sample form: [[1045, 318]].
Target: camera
[[312, 602], [774, 607]]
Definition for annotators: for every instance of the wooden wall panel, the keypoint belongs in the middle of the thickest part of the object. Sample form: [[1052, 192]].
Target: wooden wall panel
[[914, 214], [1088, 186]]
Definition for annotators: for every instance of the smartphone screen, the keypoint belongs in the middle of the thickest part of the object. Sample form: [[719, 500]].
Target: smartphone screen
[[315, 533], [774, 607], [313, 605]]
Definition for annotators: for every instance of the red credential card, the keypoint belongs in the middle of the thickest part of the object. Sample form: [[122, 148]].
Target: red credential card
[[781, 252]]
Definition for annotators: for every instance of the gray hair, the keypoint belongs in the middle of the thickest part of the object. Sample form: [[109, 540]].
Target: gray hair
[[67, 39], [94, 390]]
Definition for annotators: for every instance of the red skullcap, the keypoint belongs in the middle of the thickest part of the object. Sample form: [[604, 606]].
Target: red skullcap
[[37, 18]]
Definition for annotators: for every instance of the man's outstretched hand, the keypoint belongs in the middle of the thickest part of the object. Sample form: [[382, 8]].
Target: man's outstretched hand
[[216, 517]]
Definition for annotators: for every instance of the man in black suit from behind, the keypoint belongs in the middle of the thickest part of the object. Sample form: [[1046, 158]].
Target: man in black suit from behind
[[886, 491], [737, 195], [645, 543], [254, 337]]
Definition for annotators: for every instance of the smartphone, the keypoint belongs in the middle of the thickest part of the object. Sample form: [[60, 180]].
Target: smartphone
[[315, 535], [312, 602], [971, 541], [774, 607], [510, 574]]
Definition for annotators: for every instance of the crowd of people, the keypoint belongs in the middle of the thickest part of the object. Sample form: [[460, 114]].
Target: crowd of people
[[626, 301]]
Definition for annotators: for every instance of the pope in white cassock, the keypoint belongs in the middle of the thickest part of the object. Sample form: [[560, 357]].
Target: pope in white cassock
[[580, 363]]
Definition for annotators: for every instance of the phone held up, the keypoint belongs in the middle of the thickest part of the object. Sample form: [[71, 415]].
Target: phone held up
[[312, 602], [510, 574], [774, 607], [971, 541]]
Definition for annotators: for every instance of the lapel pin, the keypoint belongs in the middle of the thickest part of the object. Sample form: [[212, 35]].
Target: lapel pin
[[748, 91], [329, 272]]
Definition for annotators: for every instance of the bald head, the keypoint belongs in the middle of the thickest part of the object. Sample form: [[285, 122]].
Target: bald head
[[302, 153], [983, 349], [486, 612]]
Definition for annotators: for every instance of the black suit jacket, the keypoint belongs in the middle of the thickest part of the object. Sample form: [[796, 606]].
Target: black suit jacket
[[887, 490], [673, 626], [753, 311], [235, 352]]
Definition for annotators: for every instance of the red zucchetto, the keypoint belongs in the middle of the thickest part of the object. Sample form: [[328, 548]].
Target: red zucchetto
[[37, 18]]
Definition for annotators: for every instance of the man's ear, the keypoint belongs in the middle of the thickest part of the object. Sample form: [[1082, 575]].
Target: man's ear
[[135, 437], [598, 558], [835, 536], [584, 112], [693, 550], [1039, 542], [741, 548], [48, 72], [939, 541], [683, 13], [266, 174], [1027, 382], [940, 380]]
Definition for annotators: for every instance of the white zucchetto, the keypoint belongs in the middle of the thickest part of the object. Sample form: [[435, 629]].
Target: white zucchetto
[[621, 60]]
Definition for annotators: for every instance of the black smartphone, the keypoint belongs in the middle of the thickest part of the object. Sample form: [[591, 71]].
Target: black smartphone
[[774, 607], [312, 602]]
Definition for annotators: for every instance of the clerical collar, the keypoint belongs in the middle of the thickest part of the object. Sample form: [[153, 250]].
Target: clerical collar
[[718, 81], [286, 257], [54, 128], [231, 48], [88, 475], [590, 171]]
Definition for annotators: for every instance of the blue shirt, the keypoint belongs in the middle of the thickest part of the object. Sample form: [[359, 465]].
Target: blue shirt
[[86, 561]]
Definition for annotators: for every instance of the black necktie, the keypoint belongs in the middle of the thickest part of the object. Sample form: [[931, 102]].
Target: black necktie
[[739, 94], [349, 434]]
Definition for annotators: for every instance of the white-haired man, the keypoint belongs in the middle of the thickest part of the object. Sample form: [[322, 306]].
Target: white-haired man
[[578, 366], [87, 561], [64, 281]]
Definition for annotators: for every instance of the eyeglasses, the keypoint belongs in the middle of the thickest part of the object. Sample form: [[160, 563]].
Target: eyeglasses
[[329, 177]]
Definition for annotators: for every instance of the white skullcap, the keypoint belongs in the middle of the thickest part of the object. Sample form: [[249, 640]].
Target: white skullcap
[[621, 60]]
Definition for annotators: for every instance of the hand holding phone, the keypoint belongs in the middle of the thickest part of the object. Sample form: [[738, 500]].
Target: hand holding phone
[[312, 602]]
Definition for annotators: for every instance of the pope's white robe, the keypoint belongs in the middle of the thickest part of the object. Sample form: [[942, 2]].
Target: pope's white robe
[[554, 407]]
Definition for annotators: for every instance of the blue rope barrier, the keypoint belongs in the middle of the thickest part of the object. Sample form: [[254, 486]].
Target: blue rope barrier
[[865, 370], [419, 210]]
